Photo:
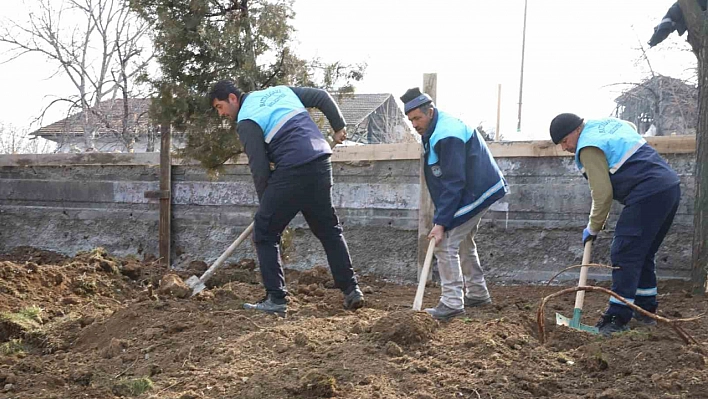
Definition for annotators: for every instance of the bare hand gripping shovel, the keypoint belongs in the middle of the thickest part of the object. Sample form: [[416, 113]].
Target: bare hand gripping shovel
[[197, 283], [579, 298]]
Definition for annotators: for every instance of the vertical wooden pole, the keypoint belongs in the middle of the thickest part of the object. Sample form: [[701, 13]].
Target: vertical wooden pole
[[425, 211], [496, 132], [165, 194], [521, 80]]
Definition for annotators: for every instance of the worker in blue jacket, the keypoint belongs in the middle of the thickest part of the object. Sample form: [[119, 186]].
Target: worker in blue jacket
[[275, 127], [619, 164], [464, 181]]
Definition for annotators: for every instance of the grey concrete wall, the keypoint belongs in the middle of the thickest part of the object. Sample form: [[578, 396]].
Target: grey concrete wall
[[67, 205], [548, 207]]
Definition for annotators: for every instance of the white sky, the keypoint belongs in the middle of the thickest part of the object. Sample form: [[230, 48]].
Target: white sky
[[574, 49]]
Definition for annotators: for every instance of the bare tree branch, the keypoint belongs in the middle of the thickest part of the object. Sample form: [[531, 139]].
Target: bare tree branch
[[100, 56]]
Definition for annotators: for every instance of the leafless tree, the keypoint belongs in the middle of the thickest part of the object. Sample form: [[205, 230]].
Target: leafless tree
[[669, 104], [101, 46], [13, 141]]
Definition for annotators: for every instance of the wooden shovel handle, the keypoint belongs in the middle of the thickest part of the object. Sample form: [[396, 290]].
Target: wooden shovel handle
[[580, 295], [227, 253], [418, 301]]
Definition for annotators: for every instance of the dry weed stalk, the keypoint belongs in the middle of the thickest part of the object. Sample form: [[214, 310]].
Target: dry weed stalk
[[675, 323]]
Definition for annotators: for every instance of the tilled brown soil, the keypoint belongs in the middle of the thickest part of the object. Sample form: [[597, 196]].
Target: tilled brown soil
[[97, 327]]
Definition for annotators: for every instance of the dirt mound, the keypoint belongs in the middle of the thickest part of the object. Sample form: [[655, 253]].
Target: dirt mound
[[244, 271], [564, 339], [79, 329], [405, 327], [29, 254], [317, 384], [318, 276]]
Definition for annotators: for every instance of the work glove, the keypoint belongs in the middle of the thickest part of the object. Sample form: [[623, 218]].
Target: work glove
[[588, 235]]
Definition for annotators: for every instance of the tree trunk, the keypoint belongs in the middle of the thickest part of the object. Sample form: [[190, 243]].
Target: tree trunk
[[700, 222], [697, 23]]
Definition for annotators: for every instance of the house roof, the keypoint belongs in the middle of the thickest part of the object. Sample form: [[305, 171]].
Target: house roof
[[108, 118], [355, 107]]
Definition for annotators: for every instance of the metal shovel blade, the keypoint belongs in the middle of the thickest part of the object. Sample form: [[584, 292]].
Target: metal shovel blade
[[195, 284], [575, 322]]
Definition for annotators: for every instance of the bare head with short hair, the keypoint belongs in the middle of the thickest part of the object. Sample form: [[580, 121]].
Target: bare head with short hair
[[224, 97]]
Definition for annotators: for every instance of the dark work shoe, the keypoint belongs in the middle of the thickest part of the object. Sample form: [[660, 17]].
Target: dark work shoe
[[444, 312], [644, 320], [475, 302], [354, 299], [610, 324], [268, 306]]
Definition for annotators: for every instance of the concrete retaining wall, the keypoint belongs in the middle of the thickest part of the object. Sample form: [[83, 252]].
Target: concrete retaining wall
[[70, 202]]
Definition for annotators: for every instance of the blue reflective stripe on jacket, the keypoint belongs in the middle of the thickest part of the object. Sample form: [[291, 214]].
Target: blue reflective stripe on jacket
[[461, 174], [637, 171]]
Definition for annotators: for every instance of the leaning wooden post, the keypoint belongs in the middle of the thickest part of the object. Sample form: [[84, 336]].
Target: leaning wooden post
[[425, 210], [165, 194]]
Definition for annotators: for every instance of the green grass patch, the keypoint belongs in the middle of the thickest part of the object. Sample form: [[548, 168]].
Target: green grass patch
[[132, 386], [33, 312], [12, 347], [29, 318]]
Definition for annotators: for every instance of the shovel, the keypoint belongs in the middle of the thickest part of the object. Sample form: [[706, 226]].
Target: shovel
[[197, 283], [579, 298], [418, 301]]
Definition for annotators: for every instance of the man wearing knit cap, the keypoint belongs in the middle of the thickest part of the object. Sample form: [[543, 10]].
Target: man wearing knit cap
[[619, 164], [463, 180]]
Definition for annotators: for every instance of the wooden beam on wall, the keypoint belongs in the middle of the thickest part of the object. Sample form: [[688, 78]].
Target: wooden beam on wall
[[89, 158], [373, 152], [546, 148], [673, 144], [377, 152]]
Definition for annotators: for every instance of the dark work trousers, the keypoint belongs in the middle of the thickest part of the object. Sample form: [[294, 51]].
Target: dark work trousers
[[307, 189], [640, 230]]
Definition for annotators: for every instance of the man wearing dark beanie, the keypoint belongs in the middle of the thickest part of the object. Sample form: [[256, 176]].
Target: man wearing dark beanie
[[619, 164], [463, 180]]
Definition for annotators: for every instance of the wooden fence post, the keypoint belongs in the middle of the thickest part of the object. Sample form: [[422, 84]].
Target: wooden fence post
[[425, 210], [165, 194]]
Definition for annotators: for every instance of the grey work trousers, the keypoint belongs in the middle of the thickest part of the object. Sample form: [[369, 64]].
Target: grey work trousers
[[458, 265]]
